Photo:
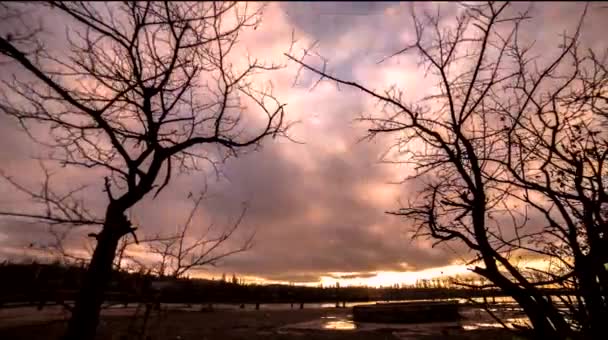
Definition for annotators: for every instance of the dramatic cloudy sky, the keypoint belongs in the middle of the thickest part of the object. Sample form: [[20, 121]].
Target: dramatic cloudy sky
[[317, 207]]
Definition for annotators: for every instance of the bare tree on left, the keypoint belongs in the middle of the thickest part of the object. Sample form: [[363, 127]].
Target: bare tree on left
[[183, 250], [140, 91]]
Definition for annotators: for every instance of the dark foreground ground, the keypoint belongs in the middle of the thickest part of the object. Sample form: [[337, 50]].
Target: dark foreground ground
[[244, 324]]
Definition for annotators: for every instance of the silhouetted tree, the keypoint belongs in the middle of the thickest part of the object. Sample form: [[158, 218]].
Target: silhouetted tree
[[500, 137], [555, 157], [141, 90], [189, 249]]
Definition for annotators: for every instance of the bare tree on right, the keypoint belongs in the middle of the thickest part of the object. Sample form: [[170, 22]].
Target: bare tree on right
[[511, 155]]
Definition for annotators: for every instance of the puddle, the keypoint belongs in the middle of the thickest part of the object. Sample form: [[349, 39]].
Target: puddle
[[509, 322], [345, 322], [337, 323], [343, 325]]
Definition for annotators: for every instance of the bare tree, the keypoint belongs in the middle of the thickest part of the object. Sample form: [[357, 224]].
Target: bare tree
[[187, 248], [489, 146], [140, 91], [556, 154]]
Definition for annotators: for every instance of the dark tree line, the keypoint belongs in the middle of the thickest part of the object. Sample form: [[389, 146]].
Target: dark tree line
[[32, 283]]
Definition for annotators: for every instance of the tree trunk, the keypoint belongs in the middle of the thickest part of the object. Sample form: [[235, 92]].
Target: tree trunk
[[595, 307], [546, 323], [540, 321], [85, 316]]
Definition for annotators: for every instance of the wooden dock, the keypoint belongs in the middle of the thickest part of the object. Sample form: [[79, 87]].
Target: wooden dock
[[407, 312]]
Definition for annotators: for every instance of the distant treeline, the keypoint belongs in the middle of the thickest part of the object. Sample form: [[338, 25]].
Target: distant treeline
[[35, 282]]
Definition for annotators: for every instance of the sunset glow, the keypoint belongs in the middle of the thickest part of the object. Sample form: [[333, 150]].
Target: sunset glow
[[385, 279]]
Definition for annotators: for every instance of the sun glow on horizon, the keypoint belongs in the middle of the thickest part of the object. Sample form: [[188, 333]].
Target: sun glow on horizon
[[379, 279], [383, 278], [391, 278]]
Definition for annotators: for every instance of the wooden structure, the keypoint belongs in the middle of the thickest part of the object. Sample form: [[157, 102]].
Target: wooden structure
[[407, 312]]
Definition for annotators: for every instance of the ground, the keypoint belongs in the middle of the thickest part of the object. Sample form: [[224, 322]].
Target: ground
[[231, 324]]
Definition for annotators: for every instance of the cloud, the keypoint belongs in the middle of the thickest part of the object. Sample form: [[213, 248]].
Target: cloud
[[317, 208]]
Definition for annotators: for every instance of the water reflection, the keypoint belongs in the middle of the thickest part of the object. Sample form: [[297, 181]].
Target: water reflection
[[339, 325], [508, 322]]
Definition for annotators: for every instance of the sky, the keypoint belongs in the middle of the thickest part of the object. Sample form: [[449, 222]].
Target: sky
[[318, 206]]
